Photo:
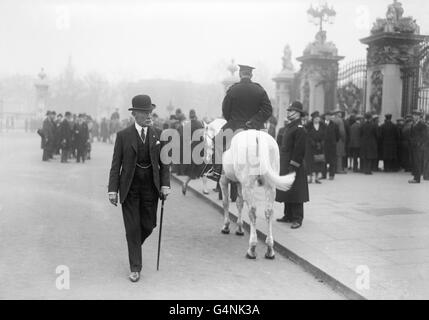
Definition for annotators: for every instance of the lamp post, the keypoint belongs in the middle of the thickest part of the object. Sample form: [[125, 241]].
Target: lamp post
[[321, 14]]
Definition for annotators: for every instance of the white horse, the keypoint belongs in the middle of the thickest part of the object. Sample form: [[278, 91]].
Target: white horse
[[252, 159]]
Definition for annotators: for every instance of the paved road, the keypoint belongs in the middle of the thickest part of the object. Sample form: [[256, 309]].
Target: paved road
[[57, 214]]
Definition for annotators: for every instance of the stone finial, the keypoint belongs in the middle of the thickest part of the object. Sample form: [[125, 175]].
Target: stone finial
[[395, 22]]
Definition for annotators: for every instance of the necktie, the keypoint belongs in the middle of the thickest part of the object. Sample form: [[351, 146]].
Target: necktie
[[143, 136]]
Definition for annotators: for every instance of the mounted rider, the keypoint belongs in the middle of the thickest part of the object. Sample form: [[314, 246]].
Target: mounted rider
[[245, 106]]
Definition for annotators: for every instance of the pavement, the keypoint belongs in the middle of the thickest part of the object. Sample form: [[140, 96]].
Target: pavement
[[54, 214], [367, 235]]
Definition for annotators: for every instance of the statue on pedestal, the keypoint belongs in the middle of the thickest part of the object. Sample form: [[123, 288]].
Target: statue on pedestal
[[287, 59]]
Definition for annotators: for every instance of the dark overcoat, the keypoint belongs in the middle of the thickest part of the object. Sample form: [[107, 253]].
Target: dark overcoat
[[48, 133], [292, 153], [368, 148], [125, 159], [66, 134], [389, 140], [246, 101], [315, 145], [194, 169], [332, 136]]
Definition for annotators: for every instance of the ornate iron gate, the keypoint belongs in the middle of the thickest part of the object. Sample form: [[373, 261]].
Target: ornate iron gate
[[415, 81], [351, 86]]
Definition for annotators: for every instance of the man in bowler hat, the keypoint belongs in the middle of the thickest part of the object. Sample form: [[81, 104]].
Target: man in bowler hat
[[140, 177]]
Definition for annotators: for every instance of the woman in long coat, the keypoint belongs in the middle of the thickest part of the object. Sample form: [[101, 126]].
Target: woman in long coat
[[292, 153], [315, 141], [194, 169]]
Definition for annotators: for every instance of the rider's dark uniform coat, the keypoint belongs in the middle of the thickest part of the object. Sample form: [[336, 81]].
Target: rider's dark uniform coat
[[246, 101], [292, 153]]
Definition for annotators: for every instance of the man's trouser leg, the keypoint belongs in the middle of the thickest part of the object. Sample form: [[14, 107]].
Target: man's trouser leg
[[296, 211], [139, 213], [417, 164]]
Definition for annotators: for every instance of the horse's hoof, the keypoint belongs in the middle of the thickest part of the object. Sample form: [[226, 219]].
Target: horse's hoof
[[239, 233], [225, 231], [267, 256], [248, 256]]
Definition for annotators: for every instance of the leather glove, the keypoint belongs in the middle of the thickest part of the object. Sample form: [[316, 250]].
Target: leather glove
[[113, 198], [249, 125], [165, 191]]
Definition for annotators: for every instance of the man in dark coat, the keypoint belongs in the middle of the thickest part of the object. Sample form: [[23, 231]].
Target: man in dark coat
[[417, 139], [245, 106], [368, 139], [389, 141], [66, 134], [406, 143], [332, 136], [81, 138], [141, 177], [48, 139], [426, 151], [292, 153], [354, 142], [399, 126]]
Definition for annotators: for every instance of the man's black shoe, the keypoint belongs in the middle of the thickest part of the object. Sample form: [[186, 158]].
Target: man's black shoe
[[284, 219]]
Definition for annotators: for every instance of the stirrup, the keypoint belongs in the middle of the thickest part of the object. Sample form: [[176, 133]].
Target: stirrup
[[213, 175]]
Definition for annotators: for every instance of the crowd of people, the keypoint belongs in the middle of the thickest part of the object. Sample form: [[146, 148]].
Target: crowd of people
[[360, 143]]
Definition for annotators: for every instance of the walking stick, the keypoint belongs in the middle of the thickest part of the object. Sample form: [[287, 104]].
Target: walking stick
[[160, 231]]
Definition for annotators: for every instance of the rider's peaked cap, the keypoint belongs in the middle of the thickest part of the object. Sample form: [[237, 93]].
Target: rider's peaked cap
[[244, 67]]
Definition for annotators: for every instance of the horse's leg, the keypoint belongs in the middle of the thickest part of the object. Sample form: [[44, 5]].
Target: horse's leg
[[250, 200], [239, 203], [223, 182], [270, 194]]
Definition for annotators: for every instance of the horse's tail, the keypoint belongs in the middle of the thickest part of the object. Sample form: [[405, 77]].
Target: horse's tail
[[283, 183]]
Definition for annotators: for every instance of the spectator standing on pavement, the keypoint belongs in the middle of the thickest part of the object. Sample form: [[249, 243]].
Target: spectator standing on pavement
[[368, 149], [389, 143], [315, 160], [341, 143], [66, 134], [332, 136], [81, 137], [426, 151], [417, 138], [48, 136], [355, 143], [292, 153], [399, 126], [406, 143]]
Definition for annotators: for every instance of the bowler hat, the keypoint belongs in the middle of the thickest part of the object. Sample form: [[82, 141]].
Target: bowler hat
[[142, 102], [296, 106], [388, 116]]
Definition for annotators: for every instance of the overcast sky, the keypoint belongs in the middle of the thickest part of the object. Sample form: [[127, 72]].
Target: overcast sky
[[183, 40]]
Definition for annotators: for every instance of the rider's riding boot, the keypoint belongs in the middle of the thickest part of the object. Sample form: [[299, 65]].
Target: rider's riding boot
[[215, 172]]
